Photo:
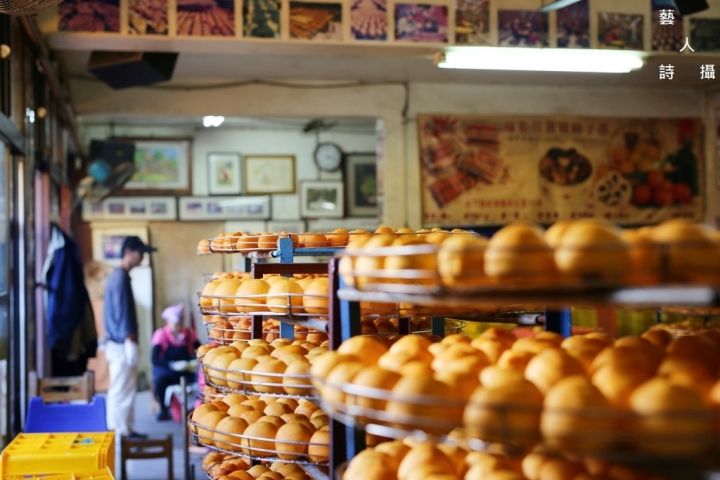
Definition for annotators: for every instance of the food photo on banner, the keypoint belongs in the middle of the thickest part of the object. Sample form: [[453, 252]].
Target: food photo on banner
[[522, 28], [492, 170], [666, 26], [472, 22], [573, 25]]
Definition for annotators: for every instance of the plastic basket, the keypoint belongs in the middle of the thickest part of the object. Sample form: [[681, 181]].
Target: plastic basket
[[56, 453], [104, 474]]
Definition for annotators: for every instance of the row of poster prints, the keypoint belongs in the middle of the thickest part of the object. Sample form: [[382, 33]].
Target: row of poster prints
[[413, 22]]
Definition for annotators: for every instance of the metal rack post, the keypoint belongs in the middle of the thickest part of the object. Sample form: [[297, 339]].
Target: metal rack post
[[559, 321]]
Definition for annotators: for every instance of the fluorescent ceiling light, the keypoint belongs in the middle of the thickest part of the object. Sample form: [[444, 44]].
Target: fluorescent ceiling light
[[542, 59], [210, 121], [557, 5]]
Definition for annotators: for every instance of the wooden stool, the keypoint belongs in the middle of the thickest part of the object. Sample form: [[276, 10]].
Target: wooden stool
[[146, 449]]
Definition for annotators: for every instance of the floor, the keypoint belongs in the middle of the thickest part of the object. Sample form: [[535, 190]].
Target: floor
[[153, 469]]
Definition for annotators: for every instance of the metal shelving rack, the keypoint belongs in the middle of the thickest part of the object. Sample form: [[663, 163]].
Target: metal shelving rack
[[347, 441]]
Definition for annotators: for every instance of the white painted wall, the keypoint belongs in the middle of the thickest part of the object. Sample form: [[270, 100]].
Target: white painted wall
[[401, 165], [253, 142]]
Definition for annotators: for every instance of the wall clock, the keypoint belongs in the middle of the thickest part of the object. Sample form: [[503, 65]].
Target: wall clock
[[328, 157]]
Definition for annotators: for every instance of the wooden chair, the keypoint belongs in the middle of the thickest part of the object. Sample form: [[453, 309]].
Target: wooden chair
[[146, 449], [65, 389]]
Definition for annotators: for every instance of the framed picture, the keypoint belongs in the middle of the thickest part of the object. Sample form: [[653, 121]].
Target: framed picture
[[163, 166], [107, 243], [321, 199], [224, 174], [290, 226], [264, 174], [224, 208], [361, 185], [130, 209]]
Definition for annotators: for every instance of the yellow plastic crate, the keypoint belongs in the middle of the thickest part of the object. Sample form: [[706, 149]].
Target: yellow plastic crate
[[104, 474], [55, 453]]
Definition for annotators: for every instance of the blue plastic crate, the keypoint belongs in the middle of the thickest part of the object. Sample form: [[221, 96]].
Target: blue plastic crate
[[66, 417]]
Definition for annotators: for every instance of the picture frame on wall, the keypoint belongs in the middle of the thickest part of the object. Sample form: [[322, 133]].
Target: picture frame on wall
[[361, 185], [224, 174], [266, 174], [122, 209], [107, 243], [164, 166], [224, 208], [289, 226], [320, 199]]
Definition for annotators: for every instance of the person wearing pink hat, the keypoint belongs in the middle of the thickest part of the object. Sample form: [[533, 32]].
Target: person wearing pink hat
[[173, 355]]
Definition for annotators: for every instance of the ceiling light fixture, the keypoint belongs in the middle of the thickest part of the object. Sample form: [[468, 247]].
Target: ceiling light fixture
[[211, 121], [541, 59], [557, 5]]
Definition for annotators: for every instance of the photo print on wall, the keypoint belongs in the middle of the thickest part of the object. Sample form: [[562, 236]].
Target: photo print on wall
[[522, 28], [416, 22], [203, 18], [148, 17], [89, 16], [667, 26], [261, 18], [368, 19], [620, 31], [316, 21], [472, 22], [573, 25]]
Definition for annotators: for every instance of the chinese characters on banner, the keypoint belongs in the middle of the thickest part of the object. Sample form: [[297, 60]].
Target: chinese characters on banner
[[493, 170]]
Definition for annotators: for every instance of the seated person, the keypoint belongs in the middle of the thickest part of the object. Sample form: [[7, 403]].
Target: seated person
[[173, 355]]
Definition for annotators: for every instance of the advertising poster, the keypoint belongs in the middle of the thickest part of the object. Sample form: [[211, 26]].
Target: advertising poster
[[490, 171], [666, 26]]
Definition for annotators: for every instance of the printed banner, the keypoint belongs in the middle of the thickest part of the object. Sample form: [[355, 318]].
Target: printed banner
[[490, 171]]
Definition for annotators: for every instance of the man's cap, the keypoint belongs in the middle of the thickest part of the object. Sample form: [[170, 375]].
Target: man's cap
[[136, 245]]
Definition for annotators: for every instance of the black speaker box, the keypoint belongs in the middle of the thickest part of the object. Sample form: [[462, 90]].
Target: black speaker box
[[132, 69], [687, 7], [112, 152]]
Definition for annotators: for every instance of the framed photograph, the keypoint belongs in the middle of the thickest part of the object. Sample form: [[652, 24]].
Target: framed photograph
[[261, 19], [89, 16], [130, 209], [205, 19], [290, 226], [361, 192], [224, 208], [322, 199], [107, 243], [224, 174], [163, 166], [265, 174]]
